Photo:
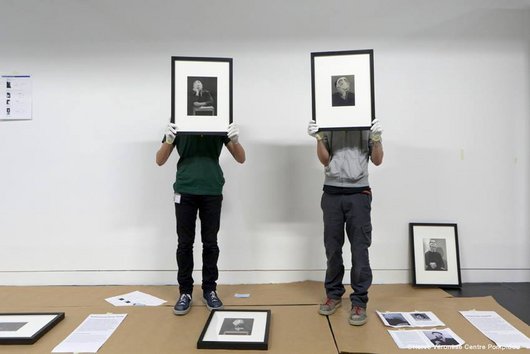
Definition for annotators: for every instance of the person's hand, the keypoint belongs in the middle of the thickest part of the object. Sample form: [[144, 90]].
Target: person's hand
[[376, 130], [233, 133], [312, 130], [433, 265], [171, 133]]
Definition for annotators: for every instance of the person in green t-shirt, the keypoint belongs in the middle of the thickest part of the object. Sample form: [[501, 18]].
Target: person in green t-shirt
[[198, 188]]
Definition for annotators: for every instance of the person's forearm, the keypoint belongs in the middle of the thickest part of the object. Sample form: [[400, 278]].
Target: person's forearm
[[163, 153], [377, 153], [322, 153], [237, 151]]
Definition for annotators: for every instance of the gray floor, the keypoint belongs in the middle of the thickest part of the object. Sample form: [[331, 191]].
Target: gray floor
[[515, 297]]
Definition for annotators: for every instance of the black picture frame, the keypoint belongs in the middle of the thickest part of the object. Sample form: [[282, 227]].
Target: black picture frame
[[435, 255], [201, 94], [236, 329], [353, 108], [26, 327]]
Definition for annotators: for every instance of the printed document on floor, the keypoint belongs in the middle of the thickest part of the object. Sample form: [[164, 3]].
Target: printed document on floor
[[496, 328], [135, 298], [90, 335]]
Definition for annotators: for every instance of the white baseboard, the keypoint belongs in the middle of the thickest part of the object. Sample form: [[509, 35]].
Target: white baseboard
[[165, 277]]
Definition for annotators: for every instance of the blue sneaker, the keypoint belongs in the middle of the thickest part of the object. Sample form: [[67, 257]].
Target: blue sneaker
[[183, 305], [212, 301]]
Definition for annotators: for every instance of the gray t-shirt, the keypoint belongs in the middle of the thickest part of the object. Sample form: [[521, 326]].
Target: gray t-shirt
[[349, 153]]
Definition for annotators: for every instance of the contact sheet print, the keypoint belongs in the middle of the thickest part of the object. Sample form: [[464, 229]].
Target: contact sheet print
[[410, 319]]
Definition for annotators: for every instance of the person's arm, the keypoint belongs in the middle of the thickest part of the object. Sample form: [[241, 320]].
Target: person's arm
[[377, 144], [235, 148], [167, 146], [237, 151], [377, 153], [162, 155], [322, 151]]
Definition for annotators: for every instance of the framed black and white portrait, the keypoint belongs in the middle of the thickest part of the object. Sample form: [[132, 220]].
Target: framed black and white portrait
[[435, 256], [26, 328], [236, 329], [342, 87], [201, 94]]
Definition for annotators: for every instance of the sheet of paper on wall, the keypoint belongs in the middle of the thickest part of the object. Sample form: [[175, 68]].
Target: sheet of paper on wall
[[426, 338], [135, 298], [91, 334], [15, 97], [496, 328], [410, 319]]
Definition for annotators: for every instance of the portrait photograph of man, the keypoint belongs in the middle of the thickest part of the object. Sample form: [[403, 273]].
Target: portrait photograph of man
[[237, 326], [342, 90], [435, 254], [440, 339]]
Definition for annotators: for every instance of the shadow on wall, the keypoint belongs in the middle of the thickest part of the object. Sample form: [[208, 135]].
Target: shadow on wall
[[277, 184]]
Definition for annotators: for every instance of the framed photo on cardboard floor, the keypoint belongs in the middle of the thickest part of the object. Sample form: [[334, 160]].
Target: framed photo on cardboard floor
[[236, 329], [26, 328], [342, 88], [435, 256], [201, 94]]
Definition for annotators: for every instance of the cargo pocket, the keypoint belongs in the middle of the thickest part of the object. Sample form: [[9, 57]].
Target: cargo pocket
[[367, 234]]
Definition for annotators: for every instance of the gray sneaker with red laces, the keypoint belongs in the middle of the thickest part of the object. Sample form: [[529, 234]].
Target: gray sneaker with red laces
[[330, 306], [358, 316]]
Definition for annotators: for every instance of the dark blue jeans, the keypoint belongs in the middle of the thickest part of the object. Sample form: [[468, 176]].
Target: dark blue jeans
[[350, 212], [209, 209]]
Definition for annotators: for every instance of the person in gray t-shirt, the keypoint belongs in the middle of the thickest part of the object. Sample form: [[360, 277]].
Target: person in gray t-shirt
[[346, 204]]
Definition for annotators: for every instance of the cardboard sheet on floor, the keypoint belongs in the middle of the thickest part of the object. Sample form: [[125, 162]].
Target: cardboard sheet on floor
[[298, 293], [67, 296], [294, 329], [374, 338]]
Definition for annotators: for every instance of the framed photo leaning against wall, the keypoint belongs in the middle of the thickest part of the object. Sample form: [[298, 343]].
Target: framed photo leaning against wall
[[435, 256]]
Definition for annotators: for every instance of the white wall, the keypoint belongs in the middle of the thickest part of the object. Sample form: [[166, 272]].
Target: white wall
[[82, 201]]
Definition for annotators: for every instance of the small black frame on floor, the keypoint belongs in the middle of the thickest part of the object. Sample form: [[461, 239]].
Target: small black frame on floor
[[236, 329], [26, 328]]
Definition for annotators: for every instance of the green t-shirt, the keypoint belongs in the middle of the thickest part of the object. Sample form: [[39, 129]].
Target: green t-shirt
[[198, 169]]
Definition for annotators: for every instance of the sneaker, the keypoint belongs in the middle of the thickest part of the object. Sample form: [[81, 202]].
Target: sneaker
[[212, 301], [183, 305], [330, 306], [358, 316]]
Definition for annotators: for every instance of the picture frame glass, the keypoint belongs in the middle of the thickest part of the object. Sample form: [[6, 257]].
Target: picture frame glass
[[223, 327], [435, 254], [343, 89], [201, 101]]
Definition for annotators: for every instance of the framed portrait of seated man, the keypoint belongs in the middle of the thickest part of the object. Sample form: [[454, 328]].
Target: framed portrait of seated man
[[342, 88], [435, 256], [201, 94]]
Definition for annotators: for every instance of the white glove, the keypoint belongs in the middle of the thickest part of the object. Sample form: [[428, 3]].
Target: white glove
[[233, 133], [376, 130], [312, 130], [171, 133]]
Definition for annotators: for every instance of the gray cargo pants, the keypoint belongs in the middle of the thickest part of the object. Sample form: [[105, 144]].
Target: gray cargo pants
[[350, 212]]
